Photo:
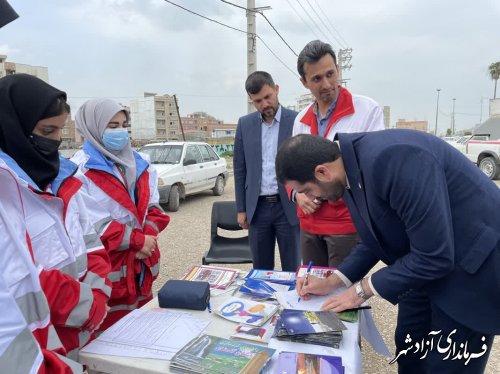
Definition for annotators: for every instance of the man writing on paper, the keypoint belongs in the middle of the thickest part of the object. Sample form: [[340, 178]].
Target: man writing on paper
[[431, 216]]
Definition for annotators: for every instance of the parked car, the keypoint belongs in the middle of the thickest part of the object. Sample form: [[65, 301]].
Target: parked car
[[186, 168]]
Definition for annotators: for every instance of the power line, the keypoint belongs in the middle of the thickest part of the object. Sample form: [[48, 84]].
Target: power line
[[330, 23], [270, 24], [312, 20], [324, 24], [235, 29], [303, 20]]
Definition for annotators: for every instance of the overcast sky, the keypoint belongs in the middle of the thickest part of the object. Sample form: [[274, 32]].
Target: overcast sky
[[402, 51]]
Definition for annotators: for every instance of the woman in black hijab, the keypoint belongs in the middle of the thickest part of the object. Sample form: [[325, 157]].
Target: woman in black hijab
[[62, 235], [32, 115]]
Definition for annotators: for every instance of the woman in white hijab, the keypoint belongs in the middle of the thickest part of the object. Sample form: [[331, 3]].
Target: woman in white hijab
[[124, 187]]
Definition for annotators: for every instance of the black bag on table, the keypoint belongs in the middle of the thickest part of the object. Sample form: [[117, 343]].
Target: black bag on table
[[184, 294]]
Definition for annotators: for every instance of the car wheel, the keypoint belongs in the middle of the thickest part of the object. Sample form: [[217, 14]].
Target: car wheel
[[174, 199], [219, 186], [489, 167]]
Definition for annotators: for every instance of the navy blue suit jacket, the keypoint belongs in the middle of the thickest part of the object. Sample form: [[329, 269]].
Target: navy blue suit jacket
[[247, 163], [432, 216]]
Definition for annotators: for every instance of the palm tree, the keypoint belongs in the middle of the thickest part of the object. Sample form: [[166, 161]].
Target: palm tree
[[495, 75]]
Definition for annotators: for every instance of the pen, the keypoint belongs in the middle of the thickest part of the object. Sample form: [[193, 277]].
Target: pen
[[307, 277], [209, 307], [358, 308]]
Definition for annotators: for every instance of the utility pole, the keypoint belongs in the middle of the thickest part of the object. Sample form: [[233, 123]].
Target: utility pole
[[344, 57], [437, 110], [453, 119], [180, 121], [252, 43]]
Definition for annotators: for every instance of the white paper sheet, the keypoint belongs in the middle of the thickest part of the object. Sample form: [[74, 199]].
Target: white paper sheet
[[148, 333]]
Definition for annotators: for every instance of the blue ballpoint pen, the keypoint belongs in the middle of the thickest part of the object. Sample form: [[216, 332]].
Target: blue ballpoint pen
[[307, 276]]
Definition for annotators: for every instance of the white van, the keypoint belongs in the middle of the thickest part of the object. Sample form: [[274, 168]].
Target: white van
[[186, 168]]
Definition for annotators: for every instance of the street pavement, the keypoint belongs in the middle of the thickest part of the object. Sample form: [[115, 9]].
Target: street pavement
[[187, 238]]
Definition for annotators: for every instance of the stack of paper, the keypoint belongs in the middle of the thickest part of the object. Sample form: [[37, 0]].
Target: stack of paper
[[149, 334], [322, 328], [299, 363], [213, 355]]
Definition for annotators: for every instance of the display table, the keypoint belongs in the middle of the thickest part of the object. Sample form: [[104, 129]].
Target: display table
[[96, 363]]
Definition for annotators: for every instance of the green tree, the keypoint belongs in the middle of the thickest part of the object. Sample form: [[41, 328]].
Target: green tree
[[448, 132], [494, 69]]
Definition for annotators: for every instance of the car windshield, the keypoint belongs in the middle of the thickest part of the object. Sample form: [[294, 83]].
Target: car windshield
[[163, 154]]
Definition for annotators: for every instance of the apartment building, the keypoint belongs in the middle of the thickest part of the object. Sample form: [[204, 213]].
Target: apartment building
[[154, 118], [7, 68]]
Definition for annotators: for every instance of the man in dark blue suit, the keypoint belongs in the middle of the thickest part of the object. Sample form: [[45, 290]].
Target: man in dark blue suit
[[433, 218], [263, 205]]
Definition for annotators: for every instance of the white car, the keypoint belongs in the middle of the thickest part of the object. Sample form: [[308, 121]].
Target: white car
[[186, 168]]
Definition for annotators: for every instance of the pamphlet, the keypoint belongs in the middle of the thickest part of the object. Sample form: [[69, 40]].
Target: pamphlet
[[299, 363], [322, 328], [217, 277], [283, 277], [255, 333], [246, 311], [317, 271], [209, 354]]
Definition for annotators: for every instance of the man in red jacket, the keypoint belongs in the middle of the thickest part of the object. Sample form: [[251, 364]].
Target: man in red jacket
[[327, 233]]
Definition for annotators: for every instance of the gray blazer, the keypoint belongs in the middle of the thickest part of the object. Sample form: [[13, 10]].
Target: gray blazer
[[248, 163]]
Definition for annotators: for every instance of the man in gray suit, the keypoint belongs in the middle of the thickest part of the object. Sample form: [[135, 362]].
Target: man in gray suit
[[264, 207]]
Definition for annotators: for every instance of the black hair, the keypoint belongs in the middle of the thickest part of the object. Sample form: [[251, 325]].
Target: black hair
[[312, 53], [257, 80], [59, 106], [299, 155]]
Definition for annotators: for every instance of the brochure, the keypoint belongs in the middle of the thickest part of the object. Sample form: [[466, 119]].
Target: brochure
[[209, 354], [299, 363], [283, 277], [317, 271], [255, 333], [322, 328], [217, 277], [246, 311]]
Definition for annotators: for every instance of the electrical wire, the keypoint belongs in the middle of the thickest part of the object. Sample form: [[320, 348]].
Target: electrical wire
[[312, 20], [303, 20], [324, 25], [330, 23], [235, 29], [270, 24]]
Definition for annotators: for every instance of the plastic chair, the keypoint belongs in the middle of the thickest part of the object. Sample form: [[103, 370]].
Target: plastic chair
[[224, 250]]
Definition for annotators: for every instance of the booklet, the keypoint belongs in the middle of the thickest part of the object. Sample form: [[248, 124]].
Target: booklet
[[283, 277], [209, 354], [299, 363], [255, 333], [322, 328], [317, 271], [218, 278], [246, 311]]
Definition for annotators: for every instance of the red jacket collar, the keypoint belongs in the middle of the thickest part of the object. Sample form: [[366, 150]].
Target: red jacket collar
[[343, 108]]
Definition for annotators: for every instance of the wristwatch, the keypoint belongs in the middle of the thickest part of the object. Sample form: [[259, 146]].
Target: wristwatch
[[360, 292]]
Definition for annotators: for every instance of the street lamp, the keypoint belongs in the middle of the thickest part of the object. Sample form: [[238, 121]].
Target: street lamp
[[453, 119], [437, 109]]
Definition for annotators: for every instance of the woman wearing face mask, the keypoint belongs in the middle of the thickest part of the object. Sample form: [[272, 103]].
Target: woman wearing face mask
[[125, 187], [61, 234]]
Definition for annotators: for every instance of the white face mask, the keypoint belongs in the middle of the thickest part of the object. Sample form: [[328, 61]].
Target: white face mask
[[115, 139]]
